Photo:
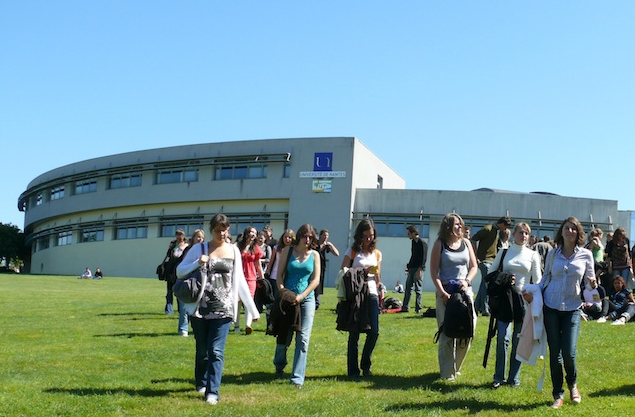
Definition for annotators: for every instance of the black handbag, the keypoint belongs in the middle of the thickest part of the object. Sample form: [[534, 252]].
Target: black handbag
[[163, 268]]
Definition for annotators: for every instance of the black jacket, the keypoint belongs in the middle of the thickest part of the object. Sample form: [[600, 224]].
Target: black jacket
[[353, 314], [285, 316]]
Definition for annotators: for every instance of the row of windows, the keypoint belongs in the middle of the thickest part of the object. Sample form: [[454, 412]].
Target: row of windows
[[164, 176]]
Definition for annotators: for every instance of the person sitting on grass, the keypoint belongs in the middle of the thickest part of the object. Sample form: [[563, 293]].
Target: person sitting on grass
[[86, 274], [621, 303], [594, 302]]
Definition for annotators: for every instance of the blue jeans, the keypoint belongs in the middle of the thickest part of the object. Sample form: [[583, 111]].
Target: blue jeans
[[169, 298], [503, 335], [369, 345], [562, 329], [307, 311], [480, 303], [210, 336], [183, 317], [412, 283]]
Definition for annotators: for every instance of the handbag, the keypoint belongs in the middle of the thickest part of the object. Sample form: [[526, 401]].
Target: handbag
[[190, 289], [162, 269]]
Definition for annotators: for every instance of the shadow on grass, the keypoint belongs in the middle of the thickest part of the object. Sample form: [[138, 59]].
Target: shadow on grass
[[611, 392], [131, 335], [471, 405], [131, 314], [87, 392]]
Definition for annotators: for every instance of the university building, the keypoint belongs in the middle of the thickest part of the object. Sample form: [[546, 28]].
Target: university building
[[120, 212]]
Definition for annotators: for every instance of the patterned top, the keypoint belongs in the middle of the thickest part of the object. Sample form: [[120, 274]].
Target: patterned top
[[217, 302]]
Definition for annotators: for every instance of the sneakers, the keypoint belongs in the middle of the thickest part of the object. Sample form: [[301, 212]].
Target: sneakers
[[618, 322], [496, 385], [575, 394], [557, 403], [211, 399], [200, 390], [248, 330], [601, 320], [183, 333]]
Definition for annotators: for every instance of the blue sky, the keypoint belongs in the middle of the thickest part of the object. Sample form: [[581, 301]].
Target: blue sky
[[454, 95]]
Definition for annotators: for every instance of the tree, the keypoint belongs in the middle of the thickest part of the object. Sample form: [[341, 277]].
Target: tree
[[12, 248]]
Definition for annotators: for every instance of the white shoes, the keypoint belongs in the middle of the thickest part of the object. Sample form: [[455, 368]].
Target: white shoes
[[601, 320], [618, 322], [183, 333], [211, 399]]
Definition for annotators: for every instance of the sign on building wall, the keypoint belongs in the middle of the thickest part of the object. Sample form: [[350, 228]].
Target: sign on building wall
[[322, 186]]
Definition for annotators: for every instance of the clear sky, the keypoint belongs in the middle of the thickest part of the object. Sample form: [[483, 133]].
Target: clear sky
[[454, 95]]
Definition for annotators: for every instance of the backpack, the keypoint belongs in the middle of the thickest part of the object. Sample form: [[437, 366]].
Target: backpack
[[392, 303], [458, 321]]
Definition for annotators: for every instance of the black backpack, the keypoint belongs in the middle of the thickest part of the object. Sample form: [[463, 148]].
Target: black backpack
[[458, 321], [504, 300], [392, 303]]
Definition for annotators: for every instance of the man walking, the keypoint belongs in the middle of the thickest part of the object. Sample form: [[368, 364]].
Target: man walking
[[415, 268], [487, 239]]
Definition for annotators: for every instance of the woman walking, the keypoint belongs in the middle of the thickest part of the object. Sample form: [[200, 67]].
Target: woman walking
[[252, 268], [364, 254], [299, 272], [221, 264], [452, 264], [524, 264], [567, 269]]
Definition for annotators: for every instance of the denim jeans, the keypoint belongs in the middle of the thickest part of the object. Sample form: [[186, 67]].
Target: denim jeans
[[412, 283], [210, 336], [480, 304], [183, 317], [307, 311], [503, 335], [169, 298], [562, 329], [369, 345]]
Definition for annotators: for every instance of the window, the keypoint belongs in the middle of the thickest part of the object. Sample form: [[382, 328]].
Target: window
[[239, 223], [125, 180], [131, 232], [395, 226], [85, 186], [43, 243], [39, 199], [57, 193], [65, 238], [240, 172], [287, 170], [189, 225], [171, 176], [92, 235], [380, 182]]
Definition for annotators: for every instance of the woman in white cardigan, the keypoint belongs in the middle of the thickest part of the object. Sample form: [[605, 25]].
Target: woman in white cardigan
[[524, 264], [220, 266]]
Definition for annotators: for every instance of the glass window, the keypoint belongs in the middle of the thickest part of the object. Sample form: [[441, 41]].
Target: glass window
[[131, 232], [170, 226], [177, 175], [43, 243], [240, 172], [39, 199], [85, 186], [57, 193], [64, 238], [92, 235], [125, 180], [287, 170], [190, 175]]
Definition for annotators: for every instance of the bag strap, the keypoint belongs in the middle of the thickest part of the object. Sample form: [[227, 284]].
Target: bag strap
[[286, 264], [500, 264]]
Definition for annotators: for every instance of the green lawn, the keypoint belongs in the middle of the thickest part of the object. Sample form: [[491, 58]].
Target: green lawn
[[72, 347]]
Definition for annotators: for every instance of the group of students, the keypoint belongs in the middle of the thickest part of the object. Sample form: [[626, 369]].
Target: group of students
[[296, 267], [87, 274]]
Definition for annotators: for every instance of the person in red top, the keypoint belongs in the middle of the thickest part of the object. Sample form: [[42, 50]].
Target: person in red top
[[252, 268]]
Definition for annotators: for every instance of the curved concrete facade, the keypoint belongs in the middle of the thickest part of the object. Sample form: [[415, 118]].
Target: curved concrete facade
[[119, 212]]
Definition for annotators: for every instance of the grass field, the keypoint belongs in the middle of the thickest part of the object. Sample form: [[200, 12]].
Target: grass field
[[72, 347]]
